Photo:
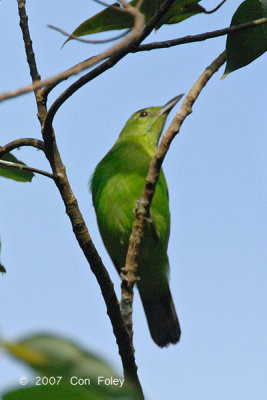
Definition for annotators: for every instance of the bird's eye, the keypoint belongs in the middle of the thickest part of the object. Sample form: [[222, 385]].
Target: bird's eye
[[143, 114]]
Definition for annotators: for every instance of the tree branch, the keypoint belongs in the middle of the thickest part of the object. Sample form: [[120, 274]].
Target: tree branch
[[109, 63], [215, 9], [143, 205], [27, 41], [81, 232], [54, 82], [198, 38], [119, 51], [15, 144], [77, 68], [25, 168]]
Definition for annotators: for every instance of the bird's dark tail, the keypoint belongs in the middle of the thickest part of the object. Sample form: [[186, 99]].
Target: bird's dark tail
[[162, 319]]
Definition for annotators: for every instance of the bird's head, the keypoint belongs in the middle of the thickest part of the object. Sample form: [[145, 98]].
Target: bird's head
[[148, 122]]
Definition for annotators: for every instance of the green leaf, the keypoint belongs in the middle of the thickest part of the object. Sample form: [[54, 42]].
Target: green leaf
[[180, 11], [62, 391], [53, 356], [68, 391], [49, 354], [107, 20], [112, 18], [245, 46], [12, 173], [2, 268]]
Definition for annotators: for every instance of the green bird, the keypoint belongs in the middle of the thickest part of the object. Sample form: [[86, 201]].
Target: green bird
[[116, 185]]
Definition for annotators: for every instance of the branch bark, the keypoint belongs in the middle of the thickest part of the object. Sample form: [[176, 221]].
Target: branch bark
[[198, 38], [10, 164], [15, 144]]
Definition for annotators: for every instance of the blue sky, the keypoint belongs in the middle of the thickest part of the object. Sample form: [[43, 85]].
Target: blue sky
[[216, 174]]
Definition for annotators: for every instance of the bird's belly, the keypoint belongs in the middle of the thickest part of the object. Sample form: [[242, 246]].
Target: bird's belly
[[116, 216], [115, 219]]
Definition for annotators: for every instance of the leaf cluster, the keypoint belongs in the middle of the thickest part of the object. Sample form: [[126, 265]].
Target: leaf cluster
[[62, 364]]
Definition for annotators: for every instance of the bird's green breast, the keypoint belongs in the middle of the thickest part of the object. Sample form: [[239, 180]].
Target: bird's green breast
[[116, 185]]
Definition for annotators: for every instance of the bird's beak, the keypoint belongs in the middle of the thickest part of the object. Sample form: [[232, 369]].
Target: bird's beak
[[168, 107]]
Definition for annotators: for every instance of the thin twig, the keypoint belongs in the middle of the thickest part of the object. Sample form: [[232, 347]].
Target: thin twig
[[214, 9], [79, 39], [36, 78], [76, 69], [199, 37], [27, 41], [114, 6], [102, 3], [143, 205], [15, 144], [9, 164]]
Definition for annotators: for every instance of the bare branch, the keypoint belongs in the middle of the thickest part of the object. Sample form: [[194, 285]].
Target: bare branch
[[116, 7], [199, 37], [27, 41], [214, 9], [76, 69], [15, 144], [102, 3], [25, 168], [143, 205]]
